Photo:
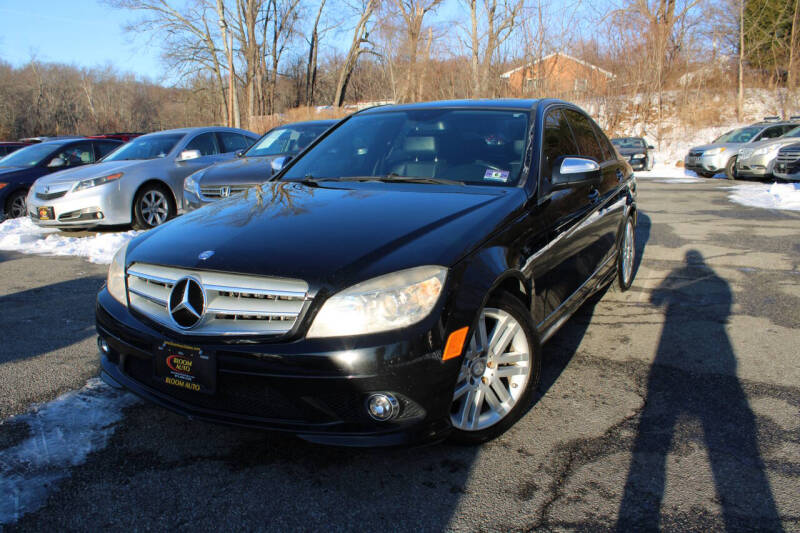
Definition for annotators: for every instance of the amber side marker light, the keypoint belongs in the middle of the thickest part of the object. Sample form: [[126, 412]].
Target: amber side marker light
[[455, 343]]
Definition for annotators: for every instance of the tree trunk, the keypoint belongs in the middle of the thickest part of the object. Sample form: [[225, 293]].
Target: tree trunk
[[740, 93], [473, 12], [359, 37], [791, 81]]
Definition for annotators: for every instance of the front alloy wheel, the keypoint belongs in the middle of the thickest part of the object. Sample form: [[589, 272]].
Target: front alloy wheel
[[499, 371], [152, 208], [627, 255], [16, 206]]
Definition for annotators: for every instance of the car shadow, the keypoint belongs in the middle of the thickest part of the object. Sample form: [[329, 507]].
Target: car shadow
[[47, 318], [697, 305]]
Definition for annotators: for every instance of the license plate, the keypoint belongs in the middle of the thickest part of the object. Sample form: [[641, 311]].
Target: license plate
[[693, 160], [186, 367], [46, 213]]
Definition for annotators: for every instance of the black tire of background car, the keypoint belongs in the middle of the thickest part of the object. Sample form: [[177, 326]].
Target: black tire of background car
[[515, 308], [623, 286], [13, 198], [139, 221], [730, 168]]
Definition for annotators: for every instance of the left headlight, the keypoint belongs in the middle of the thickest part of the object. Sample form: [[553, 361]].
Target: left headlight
[[191, 183], [715, 151], [116, 276], [381, 304], [94, 182], [765, 150], [639, 156]]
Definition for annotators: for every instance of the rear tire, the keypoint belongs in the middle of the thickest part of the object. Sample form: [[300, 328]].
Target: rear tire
[[730, 168], [627, 255], [500, 370], [16, 205], [152, 206]]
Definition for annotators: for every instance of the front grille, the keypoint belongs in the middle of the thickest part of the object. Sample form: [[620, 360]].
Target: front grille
[[789, 154], [745, 153], [695, 153], [236, 304], [217, 192], [50, 196], [239, 394]]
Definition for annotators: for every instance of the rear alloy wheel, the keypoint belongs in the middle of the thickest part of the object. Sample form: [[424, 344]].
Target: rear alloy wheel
[[730, 168], [152, 207], [499, 372], [16, 206], [627, 255]]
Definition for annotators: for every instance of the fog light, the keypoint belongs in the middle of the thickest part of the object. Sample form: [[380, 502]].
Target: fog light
[[103, 345], [382, 407]]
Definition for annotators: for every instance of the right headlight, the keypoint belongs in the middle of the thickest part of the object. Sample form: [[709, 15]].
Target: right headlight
[[116, 276], [192, 182], [715, 151], [381, 304]]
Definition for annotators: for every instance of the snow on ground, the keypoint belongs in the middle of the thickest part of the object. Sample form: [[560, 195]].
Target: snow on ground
[[775, 196], [669, 174], [62, 434], [22, 235]]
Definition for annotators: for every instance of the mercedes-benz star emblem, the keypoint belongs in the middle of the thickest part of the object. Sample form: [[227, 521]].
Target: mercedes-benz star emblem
[[187, 303]]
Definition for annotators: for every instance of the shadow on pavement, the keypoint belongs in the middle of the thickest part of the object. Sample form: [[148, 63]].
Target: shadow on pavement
[[695, 297]]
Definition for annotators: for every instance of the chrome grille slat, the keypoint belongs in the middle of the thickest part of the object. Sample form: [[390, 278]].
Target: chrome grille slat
[[236, 304], [215, 192]]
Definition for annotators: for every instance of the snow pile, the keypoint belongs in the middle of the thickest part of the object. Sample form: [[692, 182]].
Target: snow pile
[[62, 435], [775, 196], [674, 174], [22, 235]]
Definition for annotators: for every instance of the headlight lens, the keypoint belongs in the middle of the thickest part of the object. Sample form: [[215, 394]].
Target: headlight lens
[[715, 151], [639, 156], [94, 182], [192, 182], [384, 303], [765, 150], [116, 276]]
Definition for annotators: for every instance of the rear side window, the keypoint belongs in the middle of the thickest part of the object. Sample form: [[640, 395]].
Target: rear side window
[[584, 135], [608, 151], [232, 142], [205, 143], [77, 154], [104, 148], [771, 133], [557, 140]]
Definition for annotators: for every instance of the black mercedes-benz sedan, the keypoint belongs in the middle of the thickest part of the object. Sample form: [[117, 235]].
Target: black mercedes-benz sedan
[[392, 284], [636, 150]]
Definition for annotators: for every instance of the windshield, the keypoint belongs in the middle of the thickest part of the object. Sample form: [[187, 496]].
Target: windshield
[[147, 147], [738, 136], [286, 140], [471, 146], [628, 142], [30, 156]]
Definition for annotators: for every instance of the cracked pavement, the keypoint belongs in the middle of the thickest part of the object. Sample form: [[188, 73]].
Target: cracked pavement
[[675, 406]]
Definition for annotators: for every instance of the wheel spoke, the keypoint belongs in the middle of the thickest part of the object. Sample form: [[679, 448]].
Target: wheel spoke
[[510, 371], [502, 335], [461, 391], [493, 401], [475, 410], [512, 357], [481, 333], [500, 389]]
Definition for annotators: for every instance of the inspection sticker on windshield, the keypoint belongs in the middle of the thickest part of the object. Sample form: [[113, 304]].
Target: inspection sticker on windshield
[[496, 175]]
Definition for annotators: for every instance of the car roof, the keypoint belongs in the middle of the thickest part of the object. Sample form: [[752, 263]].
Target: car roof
[[204, 129], [325, 122], [60, 142], [499, 103]]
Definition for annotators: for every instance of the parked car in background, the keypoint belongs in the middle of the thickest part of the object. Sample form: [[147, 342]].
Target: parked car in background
[[44, 138], [6, 147], [787, 163], [721, 154], [255, 165], [756, 160], [392, 284], [636, 150], [140, 183], [20, 169], [124, 137]]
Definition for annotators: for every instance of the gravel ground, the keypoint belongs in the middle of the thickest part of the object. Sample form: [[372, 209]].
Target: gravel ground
[[674, 405]]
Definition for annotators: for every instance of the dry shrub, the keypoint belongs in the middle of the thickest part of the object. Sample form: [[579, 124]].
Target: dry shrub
[[264, 123]]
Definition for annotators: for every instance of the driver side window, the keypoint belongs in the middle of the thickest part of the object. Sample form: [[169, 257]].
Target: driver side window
[[557, 141], [205, 143], [77, 154]]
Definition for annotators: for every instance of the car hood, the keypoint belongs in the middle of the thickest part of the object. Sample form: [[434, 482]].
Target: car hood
[[244, 170], [631, 151], [11, 170], [96, 170], [729, 146], [332, 235], [778, 142]]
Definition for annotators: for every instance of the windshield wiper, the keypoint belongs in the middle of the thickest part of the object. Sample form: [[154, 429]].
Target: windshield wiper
[[403, 179]]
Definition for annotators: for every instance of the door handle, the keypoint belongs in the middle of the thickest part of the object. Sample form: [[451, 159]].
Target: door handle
[[594, 196]]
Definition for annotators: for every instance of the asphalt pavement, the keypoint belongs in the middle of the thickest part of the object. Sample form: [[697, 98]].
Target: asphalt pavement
[[674, 405]]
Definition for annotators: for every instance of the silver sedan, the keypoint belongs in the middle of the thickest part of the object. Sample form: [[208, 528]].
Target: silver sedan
[[139, 183]]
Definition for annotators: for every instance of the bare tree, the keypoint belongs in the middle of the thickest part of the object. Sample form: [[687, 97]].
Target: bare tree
[[412, 13], [360, 38]]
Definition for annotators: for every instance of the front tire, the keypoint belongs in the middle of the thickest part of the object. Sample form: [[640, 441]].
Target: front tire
[[16, 205], [730, 168], [500, 371], [152, 207], [627, 255]]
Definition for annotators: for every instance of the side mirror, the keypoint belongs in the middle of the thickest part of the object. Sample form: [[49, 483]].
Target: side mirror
[[651, 147], [239, 153], [575, 170], [186, 155], [56, 162], [279, 162]]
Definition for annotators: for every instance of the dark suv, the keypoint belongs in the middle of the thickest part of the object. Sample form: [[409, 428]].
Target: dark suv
[[21, 168], [392, 284]]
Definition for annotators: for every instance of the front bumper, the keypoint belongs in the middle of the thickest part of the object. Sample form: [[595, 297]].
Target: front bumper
[[192, 201], [102, 205], [755, 167], [638, 164], [316, 388], [708, 164]]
